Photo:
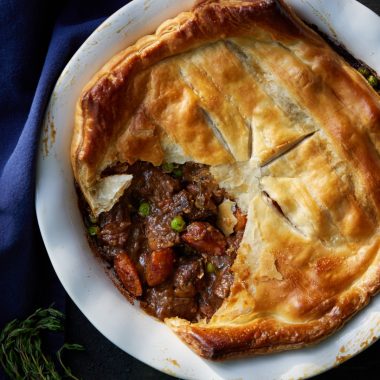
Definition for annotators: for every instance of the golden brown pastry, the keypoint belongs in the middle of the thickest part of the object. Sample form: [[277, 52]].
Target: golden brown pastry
[[288, 128]]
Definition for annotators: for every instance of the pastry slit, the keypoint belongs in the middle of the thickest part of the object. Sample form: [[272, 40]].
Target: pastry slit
[[342, 186], [242, 92], [211, 123], [220, 117], [288, 148], [231, 101], [305, 210], [345, 151], [274, 204], [290, 109]]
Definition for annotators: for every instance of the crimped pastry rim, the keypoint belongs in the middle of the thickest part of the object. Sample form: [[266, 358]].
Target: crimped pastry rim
[[217, 345]]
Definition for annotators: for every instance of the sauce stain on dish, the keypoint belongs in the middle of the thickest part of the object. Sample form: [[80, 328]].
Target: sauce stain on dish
[[49, 134], [341, 359], [147, 4], [130, 22], [325, 19], [174, 362], [365, 344], [360, 343], [104, 26]]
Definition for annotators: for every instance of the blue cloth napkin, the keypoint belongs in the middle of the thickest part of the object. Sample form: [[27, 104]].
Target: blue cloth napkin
[[37, 39]]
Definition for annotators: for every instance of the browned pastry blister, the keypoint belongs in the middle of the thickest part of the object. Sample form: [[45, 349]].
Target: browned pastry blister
[[288, 128]]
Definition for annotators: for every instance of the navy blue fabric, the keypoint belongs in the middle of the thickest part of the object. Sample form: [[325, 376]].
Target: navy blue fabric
[[37, 38]]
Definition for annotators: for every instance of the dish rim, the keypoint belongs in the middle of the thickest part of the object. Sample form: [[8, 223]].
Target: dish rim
[[44, 161]]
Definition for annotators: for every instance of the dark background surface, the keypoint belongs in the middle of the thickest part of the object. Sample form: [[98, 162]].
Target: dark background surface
[[103, 360]]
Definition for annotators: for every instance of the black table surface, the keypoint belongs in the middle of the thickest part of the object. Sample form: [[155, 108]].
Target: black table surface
[[103, 360]]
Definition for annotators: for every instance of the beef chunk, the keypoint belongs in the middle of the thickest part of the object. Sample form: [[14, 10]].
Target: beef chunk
[[151, 183], [162, 302], [205, 238], [192, 207], [188, 277], [115, 225], [202, 184], [158, 230], [222, 284]]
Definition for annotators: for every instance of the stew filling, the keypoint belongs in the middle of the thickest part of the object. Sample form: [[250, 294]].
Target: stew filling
[[164, 242]]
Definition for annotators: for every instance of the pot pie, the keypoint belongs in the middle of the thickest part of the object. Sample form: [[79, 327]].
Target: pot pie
[[228, 169]]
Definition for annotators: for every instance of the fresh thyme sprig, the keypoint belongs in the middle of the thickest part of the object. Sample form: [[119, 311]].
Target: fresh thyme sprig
[[21, 354]]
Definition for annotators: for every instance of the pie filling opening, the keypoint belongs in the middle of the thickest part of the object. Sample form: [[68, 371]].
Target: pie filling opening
[[170, 240]]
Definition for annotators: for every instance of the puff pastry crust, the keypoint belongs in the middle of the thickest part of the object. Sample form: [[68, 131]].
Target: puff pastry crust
[[289, 129]]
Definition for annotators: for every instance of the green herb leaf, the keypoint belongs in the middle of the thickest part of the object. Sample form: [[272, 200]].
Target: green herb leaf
[[68, 346], [21, 352]]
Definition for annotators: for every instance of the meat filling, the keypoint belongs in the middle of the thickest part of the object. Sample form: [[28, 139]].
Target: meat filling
[[162, 242]]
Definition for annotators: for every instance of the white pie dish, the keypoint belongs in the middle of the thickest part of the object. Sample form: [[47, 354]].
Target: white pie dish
[[61, 227]]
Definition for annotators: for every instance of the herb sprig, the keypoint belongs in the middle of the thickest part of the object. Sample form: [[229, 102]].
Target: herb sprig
[[21, 354]]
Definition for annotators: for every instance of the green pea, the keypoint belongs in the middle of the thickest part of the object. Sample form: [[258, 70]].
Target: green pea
[[364, 71], [93, 230], [210, 268], [144, 209], [178, 224], [373, 81], [177, 173], [167, 167]]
